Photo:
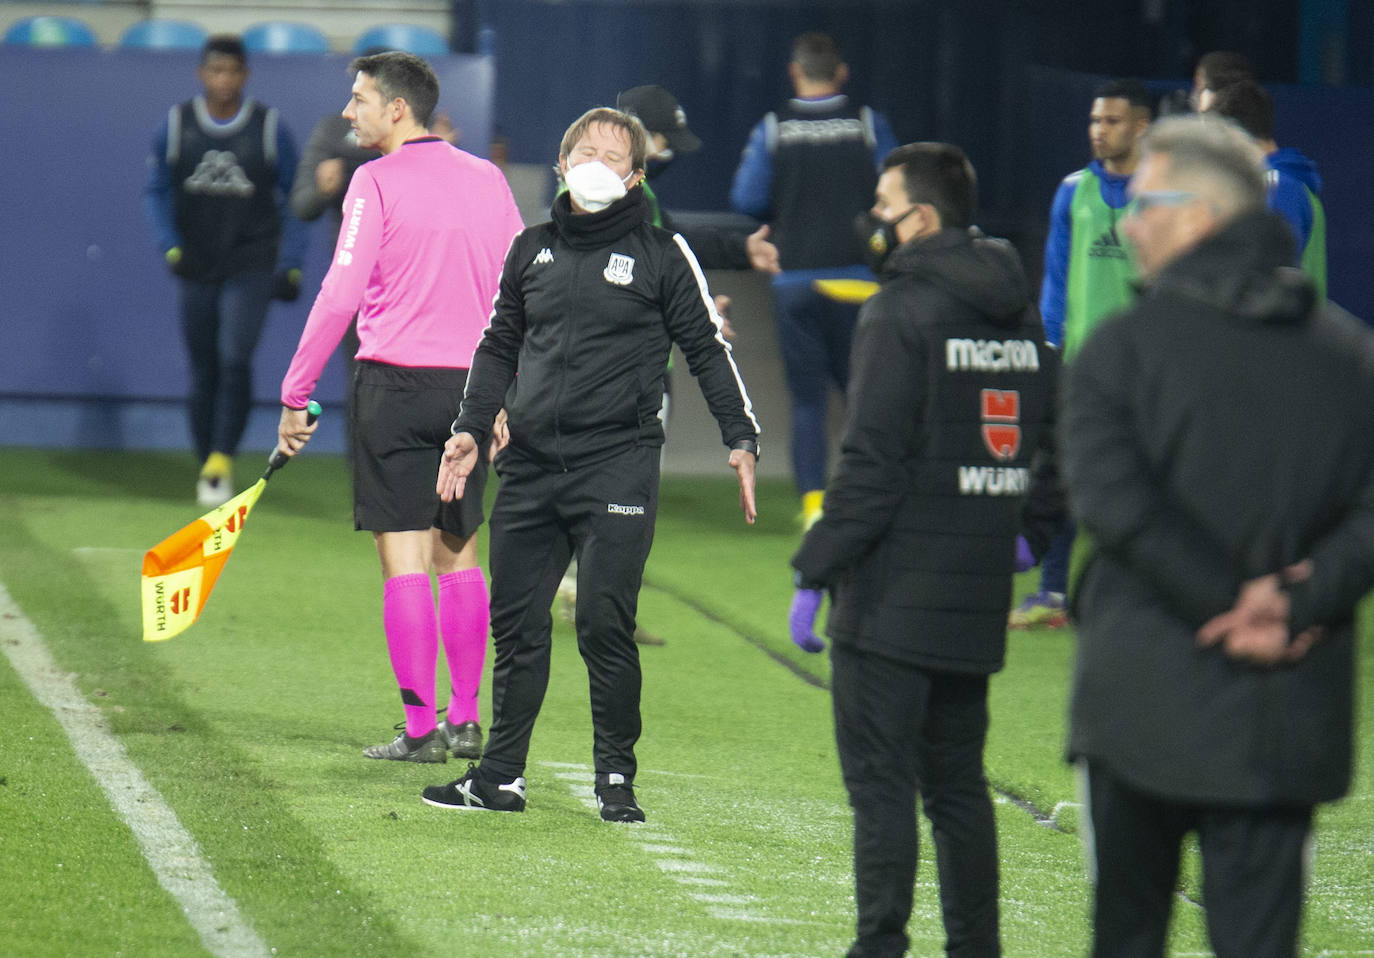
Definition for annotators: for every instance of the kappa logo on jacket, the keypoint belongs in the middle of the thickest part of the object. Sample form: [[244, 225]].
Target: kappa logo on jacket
[[545, 255], [219, 174], [620, 270]]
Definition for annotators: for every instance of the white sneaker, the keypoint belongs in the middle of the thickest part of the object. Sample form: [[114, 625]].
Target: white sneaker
[[212, 491]]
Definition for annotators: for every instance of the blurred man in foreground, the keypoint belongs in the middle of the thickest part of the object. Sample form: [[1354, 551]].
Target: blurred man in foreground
[[1216, 445]]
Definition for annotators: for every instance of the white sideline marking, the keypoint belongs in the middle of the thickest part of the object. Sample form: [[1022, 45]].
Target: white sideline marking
[[685, 870], [687, 867], [726, 914], [175, 857], [722, 898], [1060, 806], [655, 849]]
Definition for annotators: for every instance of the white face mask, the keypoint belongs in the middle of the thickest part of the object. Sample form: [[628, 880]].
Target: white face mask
[[594, 185]]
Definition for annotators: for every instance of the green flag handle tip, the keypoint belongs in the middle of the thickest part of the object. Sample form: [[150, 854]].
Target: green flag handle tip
[[279, 458]]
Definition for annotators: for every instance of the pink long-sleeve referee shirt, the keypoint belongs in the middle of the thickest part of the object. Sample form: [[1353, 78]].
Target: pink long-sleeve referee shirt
[[425, 231]]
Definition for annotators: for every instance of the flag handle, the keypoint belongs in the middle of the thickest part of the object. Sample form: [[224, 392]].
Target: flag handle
[[279, 458]]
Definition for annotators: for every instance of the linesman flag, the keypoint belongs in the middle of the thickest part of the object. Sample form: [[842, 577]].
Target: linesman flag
[[180, 571]]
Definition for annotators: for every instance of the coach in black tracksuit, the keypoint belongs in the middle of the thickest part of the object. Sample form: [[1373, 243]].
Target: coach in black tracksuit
[[588, 308], [951, 398], [1217, 449]]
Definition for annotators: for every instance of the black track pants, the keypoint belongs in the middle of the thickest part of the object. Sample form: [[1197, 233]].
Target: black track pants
[[603, 514]]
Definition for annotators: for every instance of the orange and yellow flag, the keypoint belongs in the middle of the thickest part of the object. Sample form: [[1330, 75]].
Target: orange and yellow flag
[[180, 571]]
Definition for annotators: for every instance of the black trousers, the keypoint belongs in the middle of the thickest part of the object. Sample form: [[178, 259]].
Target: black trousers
[[1253, 863], [221, 323], [604, 515], [904, 731]]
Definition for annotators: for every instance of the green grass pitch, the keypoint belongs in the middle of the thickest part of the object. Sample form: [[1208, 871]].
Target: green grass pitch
[[249, 726]]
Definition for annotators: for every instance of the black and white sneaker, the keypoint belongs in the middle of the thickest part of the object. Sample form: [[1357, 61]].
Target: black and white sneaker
[[471, 791], [463, 740], [616, 799], [403, 748]]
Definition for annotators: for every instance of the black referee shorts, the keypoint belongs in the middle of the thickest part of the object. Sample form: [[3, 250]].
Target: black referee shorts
[[400, 422]]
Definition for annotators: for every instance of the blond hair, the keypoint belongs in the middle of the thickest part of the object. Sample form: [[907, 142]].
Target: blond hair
[[639, 140]]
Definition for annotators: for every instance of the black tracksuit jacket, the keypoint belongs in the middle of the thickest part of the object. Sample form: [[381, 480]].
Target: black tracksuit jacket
[[1219, 430], [588, 308], [951, 397]]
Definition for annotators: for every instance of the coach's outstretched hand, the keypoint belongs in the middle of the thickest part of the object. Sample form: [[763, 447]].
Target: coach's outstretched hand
[[801, 620], [743, 462], [460, 458]]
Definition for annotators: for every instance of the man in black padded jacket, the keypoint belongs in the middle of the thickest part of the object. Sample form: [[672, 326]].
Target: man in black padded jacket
[[947, 454], [1217, 451]]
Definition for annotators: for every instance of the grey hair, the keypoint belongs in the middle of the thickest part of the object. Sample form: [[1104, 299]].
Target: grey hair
[[1213, 157]]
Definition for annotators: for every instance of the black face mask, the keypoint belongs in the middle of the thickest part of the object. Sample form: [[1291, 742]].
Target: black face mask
[[878, 237]]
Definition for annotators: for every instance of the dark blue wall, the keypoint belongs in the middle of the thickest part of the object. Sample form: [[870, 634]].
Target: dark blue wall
[[933, 68], [89, 310], [965, 73]]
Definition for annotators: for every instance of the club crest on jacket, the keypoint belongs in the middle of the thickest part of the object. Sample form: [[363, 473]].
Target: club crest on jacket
[[620, 270]]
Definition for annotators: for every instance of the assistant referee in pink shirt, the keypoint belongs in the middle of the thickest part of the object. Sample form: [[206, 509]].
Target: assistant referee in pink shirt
[[426, 228]]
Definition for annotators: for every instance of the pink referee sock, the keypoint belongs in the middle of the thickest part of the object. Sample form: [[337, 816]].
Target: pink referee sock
[[412, 638], [464, 619]]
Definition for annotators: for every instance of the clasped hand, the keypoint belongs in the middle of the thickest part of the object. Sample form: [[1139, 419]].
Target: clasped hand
[[1256, 629]]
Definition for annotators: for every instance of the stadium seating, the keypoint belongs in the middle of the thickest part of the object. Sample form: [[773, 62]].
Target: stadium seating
[[284, 36], [421, 41], [50, 32], [158, 34]]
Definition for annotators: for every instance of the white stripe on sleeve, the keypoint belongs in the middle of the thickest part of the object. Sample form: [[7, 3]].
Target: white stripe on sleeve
[[710, 304]]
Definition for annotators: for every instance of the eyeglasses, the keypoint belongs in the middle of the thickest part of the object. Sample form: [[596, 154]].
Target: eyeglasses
[[1151, 198]]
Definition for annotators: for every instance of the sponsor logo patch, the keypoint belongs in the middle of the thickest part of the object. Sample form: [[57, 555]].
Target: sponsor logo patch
[[1001, 418], [1107, 246], [993, 480], [991, 355], [355, 219], [616, 509]]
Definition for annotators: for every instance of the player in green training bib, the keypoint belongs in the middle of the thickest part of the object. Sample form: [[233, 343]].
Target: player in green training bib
[[1088, 274]]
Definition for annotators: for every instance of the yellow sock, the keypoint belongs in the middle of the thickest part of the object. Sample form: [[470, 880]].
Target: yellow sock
[[811, 506], [217, 466]]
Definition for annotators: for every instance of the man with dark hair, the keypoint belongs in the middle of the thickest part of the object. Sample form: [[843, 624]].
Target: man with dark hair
[[427, 227], [1214, 68], [1294, 183], [216, 196], [589, 306], [1216, 448], [809, 169], [669, 135], [950, 409], [1088, 274]]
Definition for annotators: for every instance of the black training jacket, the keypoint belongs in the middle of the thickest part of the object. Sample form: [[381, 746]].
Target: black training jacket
[[588, 308], [951, 398], [1219, 430]]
